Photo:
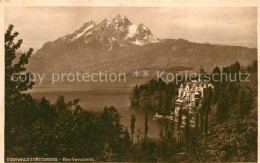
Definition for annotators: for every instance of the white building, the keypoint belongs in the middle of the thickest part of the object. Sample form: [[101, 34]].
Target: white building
[[192, 92]]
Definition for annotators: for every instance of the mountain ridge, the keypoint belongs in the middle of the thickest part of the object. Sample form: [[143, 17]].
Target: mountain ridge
[[107, 34], [119, 45]]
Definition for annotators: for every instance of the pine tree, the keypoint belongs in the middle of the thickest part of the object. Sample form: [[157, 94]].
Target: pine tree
[[244, 102], [15, 107], [196, 122], [132, 126], [206, 121], [179, 125], [187, 127], [126, 142], [172, 126], [208, 98], [146, 124], [15, 68], [138, 134], [223, 108], [161, 133]]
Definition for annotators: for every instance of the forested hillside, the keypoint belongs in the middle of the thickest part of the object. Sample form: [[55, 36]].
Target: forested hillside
[[226, 123]]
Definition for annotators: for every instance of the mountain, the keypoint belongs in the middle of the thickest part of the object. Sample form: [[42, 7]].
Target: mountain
[[108, 34], [119, 45]]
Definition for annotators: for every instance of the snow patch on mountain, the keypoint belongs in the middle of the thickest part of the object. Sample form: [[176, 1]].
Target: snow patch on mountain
[[137, 42], [144, 27], [109, 21], [151, 38], [88, 33], [132, 30], [83, 32]]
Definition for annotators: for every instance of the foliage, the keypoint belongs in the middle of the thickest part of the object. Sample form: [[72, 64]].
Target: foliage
[[36, 128], [154, 96], [132, 127]]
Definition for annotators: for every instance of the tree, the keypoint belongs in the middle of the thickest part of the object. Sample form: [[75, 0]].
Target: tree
[[187, 127], [223, 108], [146, 127], [126, 142], [207, 98], [173, 125], [138, 134], [135, 96], [179, 124], [216, 82], [15, 107], [196, 122], [133, 126], [245, 101], [12, 68]]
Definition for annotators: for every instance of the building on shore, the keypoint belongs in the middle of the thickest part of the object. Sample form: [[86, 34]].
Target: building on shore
[[191, 93]]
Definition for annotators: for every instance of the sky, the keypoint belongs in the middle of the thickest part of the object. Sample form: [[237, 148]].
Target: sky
[[216, 25]]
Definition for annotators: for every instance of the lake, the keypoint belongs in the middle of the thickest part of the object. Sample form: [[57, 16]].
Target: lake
[[97, 100]]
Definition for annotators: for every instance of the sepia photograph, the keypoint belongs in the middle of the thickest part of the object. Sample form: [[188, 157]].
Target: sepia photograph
[[130, 84]]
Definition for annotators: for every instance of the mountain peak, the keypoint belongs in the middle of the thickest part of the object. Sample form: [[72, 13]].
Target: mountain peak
[[89, 23], [120, 17], [108, 34]]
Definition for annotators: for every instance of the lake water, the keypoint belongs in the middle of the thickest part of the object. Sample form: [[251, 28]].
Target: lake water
[[97, 100]]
